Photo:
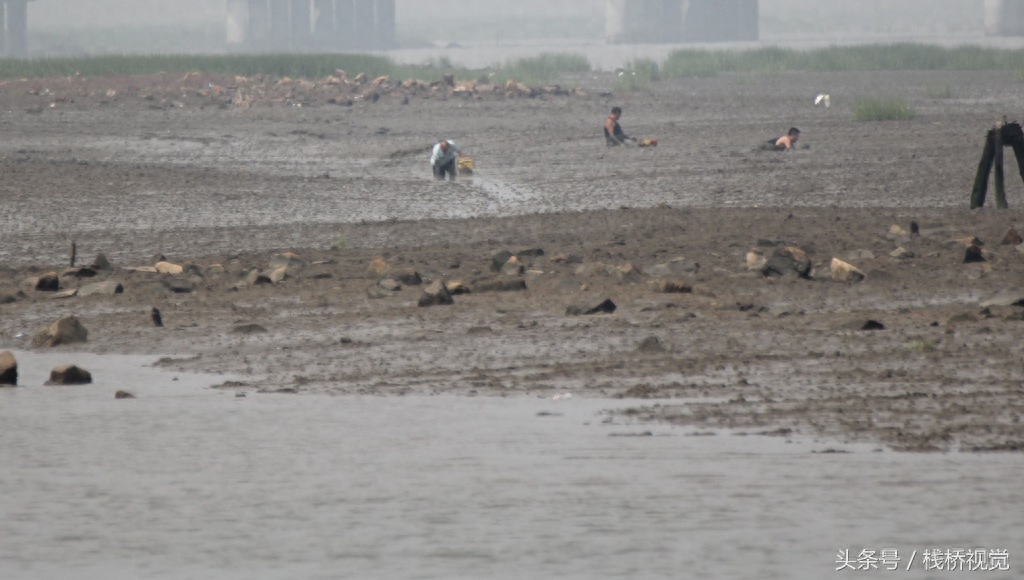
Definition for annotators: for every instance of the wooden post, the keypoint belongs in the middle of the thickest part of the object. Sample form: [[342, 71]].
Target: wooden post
[[74, 252], [997, 136], [1018, 152], [984, 167]]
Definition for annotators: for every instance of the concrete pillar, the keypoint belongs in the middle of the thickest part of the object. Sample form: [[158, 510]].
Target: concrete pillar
[[364, 23], [721, 20], [259, 24], [280, 25], [344, 23], [624, 20], [385, 14], [3, 29], [323, 23], [1004, 17], [238, 22], [17, 28], [301, 24]]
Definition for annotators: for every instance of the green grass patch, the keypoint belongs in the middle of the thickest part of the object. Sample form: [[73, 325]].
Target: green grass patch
[[883, 109], [543, 69], [638, 75], [903, 56]]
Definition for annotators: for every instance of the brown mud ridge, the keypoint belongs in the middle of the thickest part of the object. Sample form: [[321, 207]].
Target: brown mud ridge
[[165, 90], [842, 291]]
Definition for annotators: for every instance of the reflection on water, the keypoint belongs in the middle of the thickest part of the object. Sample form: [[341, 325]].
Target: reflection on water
[[191, 482]]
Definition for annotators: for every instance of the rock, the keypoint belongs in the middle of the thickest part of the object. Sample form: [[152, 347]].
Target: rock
[[251, 328], [78, 273], [864, 325], [178, 284], [756, 260], [455, 287], [1008, 298], [100, 263], [65, 294], [407, 276], [651, 345], [193, 269], [606, 307], [287, 260], [8, 298], [8, 369], [154, 315], [67, 330], [901, 253], [973, 254], [498, 260], [123, 395], [168, 268], [1011, 238], [69, 375], [435, 294], [278, 274], [49, 282], [787, 260], [844, 272], [499, 285], [898, 233], [108, 288], [389, 284]]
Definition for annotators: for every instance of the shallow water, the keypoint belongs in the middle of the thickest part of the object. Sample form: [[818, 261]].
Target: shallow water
[[191, 482]]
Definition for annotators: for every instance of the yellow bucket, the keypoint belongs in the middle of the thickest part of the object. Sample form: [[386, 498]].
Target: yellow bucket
[[465, 166]]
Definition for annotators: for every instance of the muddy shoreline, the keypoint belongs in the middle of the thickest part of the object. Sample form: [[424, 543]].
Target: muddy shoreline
[[340, 186]]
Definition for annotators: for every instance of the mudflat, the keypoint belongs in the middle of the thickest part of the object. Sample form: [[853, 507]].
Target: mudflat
[[717, 256]]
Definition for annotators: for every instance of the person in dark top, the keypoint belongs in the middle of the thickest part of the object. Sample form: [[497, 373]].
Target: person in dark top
[[786, 142], [613, 134]]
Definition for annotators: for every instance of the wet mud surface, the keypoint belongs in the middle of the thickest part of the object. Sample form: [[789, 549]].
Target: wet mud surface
[[193, 178]]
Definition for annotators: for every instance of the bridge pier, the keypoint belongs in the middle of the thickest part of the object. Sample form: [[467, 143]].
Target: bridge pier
[[304, 25], [1004, 17], [669, 21], [14, 27]]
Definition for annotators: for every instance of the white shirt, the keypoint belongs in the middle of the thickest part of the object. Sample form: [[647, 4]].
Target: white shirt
[[438, 157]]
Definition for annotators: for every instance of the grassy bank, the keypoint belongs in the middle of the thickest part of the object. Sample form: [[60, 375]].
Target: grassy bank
[[543, 69]]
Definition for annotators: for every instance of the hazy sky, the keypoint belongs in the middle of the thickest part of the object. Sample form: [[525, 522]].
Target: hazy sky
[[91, 13]]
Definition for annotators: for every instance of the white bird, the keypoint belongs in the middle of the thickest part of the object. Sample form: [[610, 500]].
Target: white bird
[[823, 99]]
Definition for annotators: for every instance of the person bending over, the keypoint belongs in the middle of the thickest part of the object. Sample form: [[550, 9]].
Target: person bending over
[[787, 141], [613, 133], [443, 159]]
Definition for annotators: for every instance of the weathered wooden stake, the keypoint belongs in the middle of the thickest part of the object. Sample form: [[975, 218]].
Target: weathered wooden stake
[[74, 251], [984, 167], [1000, 177]]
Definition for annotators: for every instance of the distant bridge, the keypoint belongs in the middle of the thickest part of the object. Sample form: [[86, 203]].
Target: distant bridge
[[336, 25], [370, 24]]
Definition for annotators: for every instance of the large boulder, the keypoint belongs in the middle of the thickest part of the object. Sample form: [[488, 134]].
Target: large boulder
[[69, 375], [168, 268], [788, 260], [67, 330], [845, 272], [108, 288], [49, 282], [434, 294], [8, 369], [606, 307]]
